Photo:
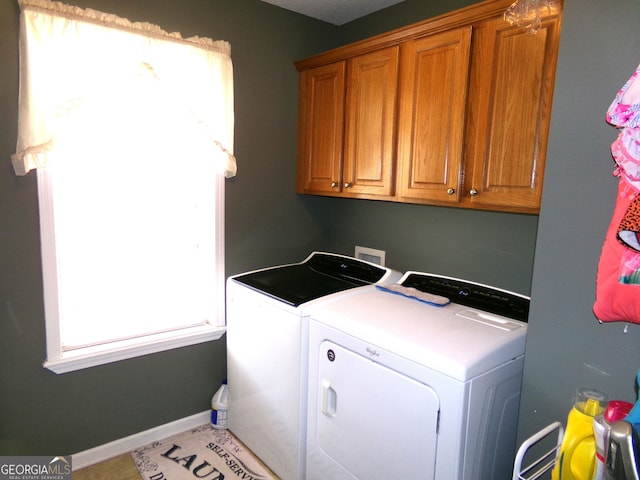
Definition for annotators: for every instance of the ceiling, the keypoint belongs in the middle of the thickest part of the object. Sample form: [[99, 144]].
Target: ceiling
[[336, 12]]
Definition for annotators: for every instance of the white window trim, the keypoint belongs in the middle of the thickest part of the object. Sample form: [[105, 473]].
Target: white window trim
[[123, 350], [60, 361]]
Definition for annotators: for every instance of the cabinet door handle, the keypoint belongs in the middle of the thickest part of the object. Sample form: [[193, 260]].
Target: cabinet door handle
[[348, 185], [473, 192], [334, 184], [451, 191]]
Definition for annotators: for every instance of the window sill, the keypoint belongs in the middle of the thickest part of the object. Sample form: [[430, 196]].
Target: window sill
[[82, 358]]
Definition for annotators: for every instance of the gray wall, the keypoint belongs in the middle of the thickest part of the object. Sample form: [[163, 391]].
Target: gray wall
[[486, 247], [566, 347], [268, 224]]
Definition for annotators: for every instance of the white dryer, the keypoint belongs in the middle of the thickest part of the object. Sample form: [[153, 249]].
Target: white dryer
[[400, 388], [267, 350]]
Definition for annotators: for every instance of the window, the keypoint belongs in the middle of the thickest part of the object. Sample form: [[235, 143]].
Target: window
[[131, 131]]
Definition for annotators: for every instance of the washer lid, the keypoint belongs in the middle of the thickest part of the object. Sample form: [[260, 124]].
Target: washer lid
[[459, 341], [318, 275]]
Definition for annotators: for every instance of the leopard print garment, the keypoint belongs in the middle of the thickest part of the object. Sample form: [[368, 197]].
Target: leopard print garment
[[629, 228]]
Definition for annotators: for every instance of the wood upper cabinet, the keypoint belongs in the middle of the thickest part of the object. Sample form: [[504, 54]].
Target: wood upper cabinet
[[320, 128], [431, 121], [511, 90], [346, 137], [451, 111], [369, 143]]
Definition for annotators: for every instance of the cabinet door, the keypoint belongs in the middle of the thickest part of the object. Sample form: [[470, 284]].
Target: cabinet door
[[320, 129], [512, 88], [434, 79], [370, 124]]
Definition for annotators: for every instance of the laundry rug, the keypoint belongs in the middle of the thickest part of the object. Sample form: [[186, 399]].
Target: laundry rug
[[203, 452]]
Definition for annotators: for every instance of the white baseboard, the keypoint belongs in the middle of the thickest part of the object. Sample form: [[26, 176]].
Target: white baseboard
[[124, 445]]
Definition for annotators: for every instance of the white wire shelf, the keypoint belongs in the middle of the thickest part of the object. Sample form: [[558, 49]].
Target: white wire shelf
[[537, 467]]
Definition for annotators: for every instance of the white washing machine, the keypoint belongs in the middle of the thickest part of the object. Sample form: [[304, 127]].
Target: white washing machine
[[400, 388], [267, 350]]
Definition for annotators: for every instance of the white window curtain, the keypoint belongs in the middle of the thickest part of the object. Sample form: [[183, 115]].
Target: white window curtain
[[130, 129], [70, 57]]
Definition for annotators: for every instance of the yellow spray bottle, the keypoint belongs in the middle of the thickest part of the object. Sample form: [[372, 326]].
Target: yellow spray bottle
[[576, 459]]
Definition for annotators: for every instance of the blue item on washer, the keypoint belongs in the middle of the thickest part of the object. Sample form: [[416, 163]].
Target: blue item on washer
[[415, 294]]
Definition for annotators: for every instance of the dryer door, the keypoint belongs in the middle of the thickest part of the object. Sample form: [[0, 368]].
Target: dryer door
[[371, 421]]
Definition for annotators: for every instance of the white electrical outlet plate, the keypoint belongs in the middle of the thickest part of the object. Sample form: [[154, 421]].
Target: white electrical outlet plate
[[370, 255]]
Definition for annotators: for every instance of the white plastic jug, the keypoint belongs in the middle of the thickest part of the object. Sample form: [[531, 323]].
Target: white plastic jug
[[219, 407]]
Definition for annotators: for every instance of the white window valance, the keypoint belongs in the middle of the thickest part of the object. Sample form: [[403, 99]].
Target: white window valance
[[73, 60]]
